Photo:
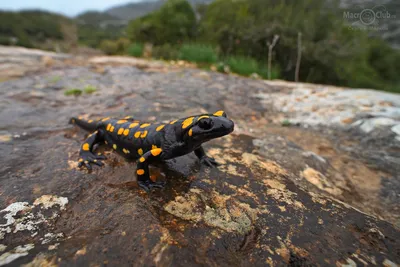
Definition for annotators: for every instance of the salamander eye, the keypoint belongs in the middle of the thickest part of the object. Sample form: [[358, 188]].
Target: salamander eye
[[205, 124]]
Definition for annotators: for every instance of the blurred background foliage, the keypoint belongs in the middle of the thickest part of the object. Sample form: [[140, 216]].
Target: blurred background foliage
[[225, 35]]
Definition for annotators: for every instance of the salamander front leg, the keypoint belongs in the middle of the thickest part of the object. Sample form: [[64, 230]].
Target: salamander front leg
[[86, 155], [143, 175], [204, 159]]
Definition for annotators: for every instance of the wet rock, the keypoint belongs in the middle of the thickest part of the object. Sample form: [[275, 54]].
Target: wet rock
[[17, 252], [281, 196], [371, 124], [396, 129], [323, 105]]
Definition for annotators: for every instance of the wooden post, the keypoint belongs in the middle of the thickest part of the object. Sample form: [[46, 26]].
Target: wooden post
[[270, 47], [296, 75]]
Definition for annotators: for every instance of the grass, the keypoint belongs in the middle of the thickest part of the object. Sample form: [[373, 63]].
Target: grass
[[135, 50], [54, 79], [198, 53], [243, 65], [73, 91], [286, 123], [89, 89], [165, 52], [246, 66]]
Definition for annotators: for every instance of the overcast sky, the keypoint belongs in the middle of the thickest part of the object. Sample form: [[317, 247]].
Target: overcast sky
[[66, 7]]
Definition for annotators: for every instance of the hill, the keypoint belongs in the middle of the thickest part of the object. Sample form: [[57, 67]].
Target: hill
[[134, 10], [29, 27]]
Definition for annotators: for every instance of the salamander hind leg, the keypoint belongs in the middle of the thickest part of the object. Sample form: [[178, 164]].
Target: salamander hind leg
[[86, 155], [143, 175]]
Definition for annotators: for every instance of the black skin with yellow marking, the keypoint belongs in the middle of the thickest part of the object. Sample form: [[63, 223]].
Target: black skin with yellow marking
[[149, 143]]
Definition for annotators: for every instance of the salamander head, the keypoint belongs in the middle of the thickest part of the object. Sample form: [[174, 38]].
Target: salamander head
[[202, 128]]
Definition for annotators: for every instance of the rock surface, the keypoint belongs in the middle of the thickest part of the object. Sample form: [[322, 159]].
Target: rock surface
[[283, 195]]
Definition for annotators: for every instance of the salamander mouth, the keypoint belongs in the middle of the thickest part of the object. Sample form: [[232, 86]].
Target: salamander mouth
[[220, 132]]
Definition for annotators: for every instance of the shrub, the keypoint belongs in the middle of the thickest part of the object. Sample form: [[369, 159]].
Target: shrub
[[109, 47], [243, 65], [173, 22], [166, 52], [198, 53], [246, 66], [135, 50], [4, 40], [222, 67], [122, 45]]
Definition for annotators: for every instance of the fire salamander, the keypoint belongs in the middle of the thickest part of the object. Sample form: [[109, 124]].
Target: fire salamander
[[148, 143]]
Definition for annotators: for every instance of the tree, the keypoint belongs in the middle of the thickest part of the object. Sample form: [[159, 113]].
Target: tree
[[173, 23]]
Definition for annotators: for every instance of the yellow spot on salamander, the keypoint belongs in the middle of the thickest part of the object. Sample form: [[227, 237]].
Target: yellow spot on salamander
[[132, 125], [144, 125], [115, 146], [140, 151], [190, 133], [140, 172], [105, 119], [203, 117], [126, 151], [159, 128], [120, 131], [121, 121], [126, 132], [108, 126], [156, 152], [219, 113], [142, 159], [137, 134], [172, 122], [80, 160], [112, 128], [90, 121], [144, 134], [154, 147], [86, 161], [85, 147], [128, 117], [186, 123]]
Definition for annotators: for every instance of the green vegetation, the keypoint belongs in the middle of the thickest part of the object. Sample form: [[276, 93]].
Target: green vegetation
[[27, 28], [114, 47], [173, 23], [135, 50], [73, 91], [165, 52], [243, 65], [92, 30], [286, 123], [89, 89], [198, 53], [109, 47], [54, 79]]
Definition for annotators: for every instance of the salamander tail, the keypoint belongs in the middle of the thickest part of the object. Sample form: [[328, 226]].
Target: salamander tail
[[87, 125]]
